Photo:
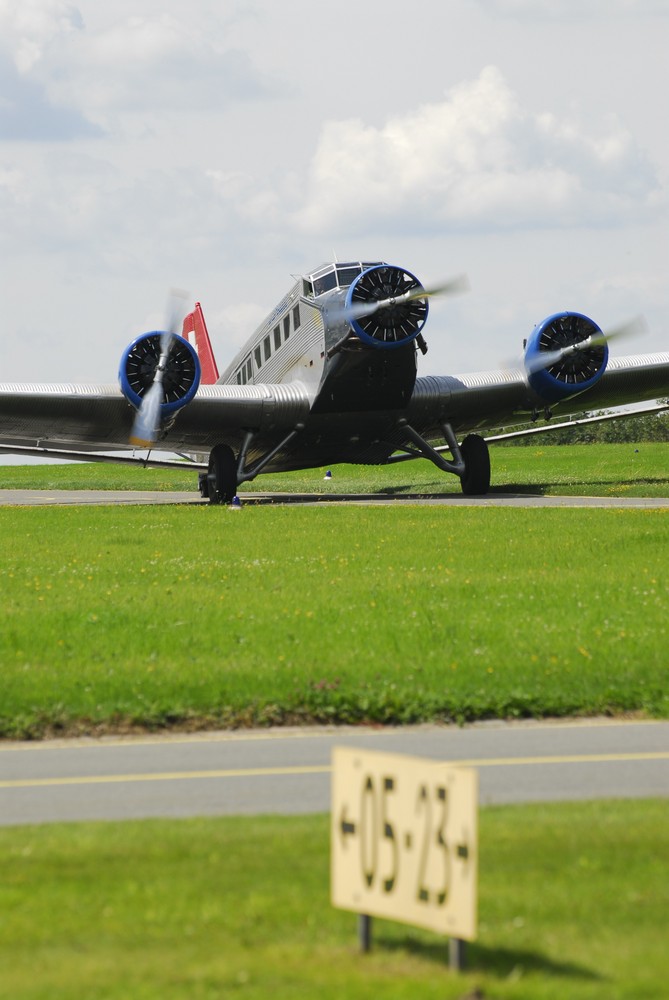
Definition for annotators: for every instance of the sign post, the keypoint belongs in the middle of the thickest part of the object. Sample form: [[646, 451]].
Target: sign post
[[404, 842]]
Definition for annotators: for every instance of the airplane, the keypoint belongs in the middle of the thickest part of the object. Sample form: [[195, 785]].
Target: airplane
[[330, 376]]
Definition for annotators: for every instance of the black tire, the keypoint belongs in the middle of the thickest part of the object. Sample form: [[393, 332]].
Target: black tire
[[222, 475], [475, 454]]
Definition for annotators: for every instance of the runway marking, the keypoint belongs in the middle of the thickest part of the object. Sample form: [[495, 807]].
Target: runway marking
[[106, 779], [264, 772]]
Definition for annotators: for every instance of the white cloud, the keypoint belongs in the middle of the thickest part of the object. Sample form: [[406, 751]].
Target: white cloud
[[576, 9], [58, 74], [137, 62], [31, 31], [225, 164], [476, 160], [161, 61], [29, 28], [26, 111]]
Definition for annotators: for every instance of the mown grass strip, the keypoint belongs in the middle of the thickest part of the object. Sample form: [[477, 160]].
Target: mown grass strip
[[573, 901], [586, 469], [117, 618]]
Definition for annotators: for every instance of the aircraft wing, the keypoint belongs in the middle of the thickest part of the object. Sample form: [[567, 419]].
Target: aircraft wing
[[81, 418], [491, 399], [76, 419]]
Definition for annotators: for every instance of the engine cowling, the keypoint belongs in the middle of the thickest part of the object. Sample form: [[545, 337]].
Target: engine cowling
[[401, 312], [138, 366], [568, 369]]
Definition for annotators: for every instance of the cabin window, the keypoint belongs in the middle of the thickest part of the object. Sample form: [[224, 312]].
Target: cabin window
[[245, 372], [258, 356], [307, 289], [296, 317], [324, 284], [286, 327], [267, 348], [277, 337]]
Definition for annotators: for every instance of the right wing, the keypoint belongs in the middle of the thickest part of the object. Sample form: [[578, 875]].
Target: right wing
[[78, 419]]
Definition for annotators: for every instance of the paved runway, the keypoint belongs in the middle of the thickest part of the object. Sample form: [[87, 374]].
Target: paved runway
[[288, 771], [32, 498]]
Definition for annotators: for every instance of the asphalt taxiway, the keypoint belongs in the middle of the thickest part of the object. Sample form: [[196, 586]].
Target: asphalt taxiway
[[288, 770], [32, 498]]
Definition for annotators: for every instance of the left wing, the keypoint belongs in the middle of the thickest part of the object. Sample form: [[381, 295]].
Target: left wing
[[482, 400]]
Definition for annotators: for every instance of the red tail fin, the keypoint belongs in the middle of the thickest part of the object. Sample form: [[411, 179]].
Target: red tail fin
[[195, 332]]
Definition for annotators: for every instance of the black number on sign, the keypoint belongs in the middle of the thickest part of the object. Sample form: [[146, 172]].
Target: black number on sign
[[424, 805], [368, 832], [389, 835], [431, 836], [376, 829], [442, 798]]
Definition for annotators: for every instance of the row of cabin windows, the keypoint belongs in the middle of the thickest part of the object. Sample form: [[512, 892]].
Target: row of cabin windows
[[263, 351]]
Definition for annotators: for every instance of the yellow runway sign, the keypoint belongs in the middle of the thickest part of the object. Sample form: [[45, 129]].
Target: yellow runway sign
[[404, 840]]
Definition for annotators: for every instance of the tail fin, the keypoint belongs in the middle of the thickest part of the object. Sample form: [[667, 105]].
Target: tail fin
[[195, 332]]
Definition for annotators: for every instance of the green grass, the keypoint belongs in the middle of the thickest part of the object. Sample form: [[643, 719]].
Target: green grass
[[135, 617], [595, 469], [573, 903]]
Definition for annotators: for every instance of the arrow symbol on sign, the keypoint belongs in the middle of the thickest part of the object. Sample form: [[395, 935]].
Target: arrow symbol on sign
[[346, 826], [462, 852]]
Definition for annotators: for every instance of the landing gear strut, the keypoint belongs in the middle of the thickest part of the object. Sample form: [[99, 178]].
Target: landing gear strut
[[226, 471], [470, 460]]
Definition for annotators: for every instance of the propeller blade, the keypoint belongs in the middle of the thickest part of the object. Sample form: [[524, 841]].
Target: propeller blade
[[146, 427], [546, 359], [630, 328], [454, 286]]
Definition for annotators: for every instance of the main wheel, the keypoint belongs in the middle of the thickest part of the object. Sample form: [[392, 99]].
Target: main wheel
[[222, 474], [475, 454]]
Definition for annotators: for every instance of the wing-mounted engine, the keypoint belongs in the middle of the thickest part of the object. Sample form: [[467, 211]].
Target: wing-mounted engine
[[386, 306], [159, 372], [565, 355]]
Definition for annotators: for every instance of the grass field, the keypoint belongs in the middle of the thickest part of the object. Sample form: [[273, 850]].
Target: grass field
[[573, 903], [592, 469], [117, 618], [135, 617]]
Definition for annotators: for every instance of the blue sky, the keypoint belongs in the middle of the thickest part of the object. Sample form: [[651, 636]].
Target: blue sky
[[223, 147]]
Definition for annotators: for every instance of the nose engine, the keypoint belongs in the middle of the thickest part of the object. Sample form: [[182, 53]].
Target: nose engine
[[387, 306]]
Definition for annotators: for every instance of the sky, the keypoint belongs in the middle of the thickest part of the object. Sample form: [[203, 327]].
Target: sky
[[222, 147]]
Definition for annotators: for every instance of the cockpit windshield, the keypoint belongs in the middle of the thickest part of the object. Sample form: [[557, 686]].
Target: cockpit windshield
[[325, 282], [330, 276]]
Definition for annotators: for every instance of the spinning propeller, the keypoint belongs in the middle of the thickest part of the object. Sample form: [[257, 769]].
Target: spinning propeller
[[147, 424], [386, 306], [360, 309], [597, 338]]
